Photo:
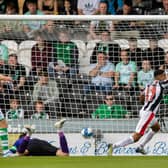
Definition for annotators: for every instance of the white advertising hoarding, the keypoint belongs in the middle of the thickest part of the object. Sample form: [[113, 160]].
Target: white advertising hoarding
[[79, 146]]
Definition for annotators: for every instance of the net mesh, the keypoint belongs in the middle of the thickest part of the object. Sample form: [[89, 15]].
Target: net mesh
[[52, 62]]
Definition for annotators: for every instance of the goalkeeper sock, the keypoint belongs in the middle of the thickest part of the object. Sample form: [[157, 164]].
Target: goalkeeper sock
[[4, 139], [147, 138], [124, 142], [63, 142], [13, 149], [24, 144]]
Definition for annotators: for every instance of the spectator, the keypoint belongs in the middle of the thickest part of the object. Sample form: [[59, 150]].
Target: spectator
[[11, 8], [96, 27], [101, 74], [14, 28], [4, 96], [165, 6], [111, 48], [41, 54], [72, 2], [5, 92], [125, 72], [165, 68], [125, 80], [145, 75], [3, 53], [45, 90], [126, 25], [18, 73], [135, 53], [65, 58], [159, 8], [40, 112], [48, 6], [67, 9], [109, 109], [165, 65], [30, 26], [50, 32], [163, 25], [15, 111], [23, 6], [141, 6], [2, 6], [114, 6], [154, 54], [127, 8], [102, 8], [87, 7]]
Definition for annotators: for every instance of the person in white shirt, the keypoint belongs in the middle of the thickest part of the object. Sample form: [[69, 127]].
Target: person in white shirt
[[87, 7]]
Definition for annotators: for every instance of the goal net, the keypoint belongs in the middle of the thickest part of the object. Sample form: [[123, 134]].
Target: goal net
[[89, 70]]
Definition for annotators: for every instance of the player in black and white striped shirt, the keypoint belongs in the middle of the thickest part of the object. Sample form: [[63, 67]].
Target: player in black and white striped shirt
[[152, 96]]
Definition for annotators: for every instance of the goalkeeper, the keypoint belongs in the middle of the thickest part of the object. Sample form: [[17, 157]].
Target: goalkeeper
[[25, 146]]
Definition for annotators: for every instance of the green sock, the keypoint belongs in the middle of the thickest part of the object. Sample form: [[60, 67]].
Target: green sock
[[4, 139]]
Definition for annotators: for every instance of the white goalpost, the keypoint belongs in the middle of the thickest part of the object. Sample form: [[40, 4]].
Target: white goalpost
[[57, 56]]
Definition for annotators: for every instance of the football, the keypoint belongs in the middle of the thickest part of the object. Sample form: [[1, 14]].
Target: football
[[87, 132]]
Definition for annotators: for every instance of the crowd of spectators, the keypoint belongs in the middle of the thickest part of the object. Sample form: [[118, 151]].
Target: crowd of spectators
[[55, 56], [26, 29], [86, 7]]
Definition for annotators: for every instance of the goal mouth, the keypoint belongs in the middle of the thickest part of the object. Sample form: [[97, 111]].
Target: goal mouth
[[57, 72]]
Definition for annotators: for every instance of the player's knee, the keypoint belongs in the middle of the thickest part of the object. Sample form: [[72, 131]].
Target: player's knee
[[136, 137], [3, 124]]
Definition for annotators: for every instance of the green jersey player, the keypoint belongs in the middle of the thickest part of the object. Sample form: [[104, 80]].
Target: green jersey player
[[3, 123]]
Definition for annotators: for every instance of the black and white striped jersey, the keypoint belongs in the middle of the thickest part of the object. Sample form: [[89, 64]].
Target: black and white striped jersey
[[153, 95]]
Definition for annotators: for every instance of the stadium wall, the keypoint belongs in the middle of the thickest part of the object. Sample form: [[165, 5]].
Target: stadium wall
[[112, 130]]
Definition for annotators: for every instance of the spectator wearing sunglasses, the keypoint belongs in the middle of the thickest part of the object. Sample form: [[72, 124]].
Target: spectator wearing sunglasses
[[109, 109]]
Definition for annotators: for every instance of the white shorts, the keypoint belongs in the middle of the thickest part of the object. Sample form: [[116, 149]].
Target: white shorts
[[1, 115], [147, 119]]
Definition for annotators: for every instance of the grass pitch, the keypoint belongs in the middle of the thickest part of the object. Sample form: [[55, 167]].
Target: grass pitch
[[86, 162]]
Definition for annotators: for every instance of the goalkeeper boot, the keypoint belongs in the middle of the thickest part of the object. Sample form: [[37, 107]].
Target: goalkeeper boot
[[59, 124], [28, 129], [140, 150], [110, 149]]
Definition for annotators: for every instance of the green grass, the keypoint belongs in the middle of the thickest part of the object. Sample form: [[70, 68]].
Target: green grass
[[85, 162]]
